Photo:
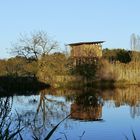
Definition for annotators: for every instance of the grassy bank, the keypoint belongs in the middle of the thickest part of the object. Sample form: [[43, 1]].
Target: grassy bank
[[129, 73], [58, 70]]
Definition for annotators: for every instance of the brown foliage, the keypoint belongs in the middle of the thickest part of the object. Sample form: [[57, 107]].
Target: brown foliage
[[52, 65], [106, 71], [18, 66]]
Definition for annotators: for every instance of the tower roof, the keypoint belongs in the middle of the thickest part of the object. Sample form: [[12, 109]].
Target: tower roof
[[80, 43]]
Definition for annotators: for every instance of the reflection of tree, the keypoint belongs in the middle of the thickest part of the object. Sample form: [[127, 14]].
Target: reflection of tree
[[43, 112], [49, 111], [135, 111], [9, 127], [5, 106], [46, 105], [127, 96], [87, 106]]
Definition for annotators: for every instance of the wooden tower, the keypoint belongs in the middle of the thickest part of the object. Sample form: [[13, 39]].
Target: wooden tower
[[86, 52]]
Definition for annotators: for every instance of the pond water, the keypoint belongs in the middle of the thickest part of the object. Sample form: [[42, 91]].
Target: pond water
[[110, 114]]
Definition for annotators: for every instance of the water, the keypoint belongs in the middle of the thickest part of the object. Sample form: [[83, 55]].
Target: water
[[95, 114]]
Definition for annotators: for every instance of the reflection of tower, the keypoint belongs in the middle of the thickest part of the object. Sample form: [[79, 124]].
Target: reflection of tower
[[87, 106], [93, 113]]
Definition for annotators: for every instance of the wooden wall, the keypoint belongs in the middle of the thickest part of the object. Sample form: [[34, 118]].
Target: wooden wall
[[84, 50]]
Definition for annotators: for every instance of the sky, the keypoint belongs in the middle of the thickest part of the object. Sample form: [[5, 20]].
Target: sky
[[69, 21]]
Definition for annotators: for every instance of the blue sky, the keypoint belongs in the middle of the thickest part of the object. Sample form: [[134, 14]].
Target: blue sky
[[70, 21]]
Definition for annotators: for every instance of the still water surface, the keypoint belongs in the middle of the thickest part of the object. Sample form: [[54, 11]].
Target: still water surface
[[95, 114]]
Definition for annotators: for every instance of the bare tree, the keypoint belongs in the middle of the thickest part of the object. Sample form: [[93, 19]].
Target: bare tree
[[34, 46], [135, 47], [135, 42]]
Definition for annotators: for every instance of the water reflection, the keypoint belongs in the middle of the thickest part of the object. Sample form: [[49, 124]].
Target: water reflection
[[40, 112], [87, 106], [44, 111], [7, 123], [129, 96], [5, 108], [50, 107], [84, 98]]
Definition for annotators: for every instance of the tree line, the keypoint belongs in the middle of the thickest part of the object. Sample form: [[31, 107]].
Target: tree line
[[36, 55]]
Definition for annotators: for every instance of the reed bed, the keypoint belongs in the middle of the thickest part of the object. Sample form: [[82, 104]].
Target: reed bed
[[129, 73]]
